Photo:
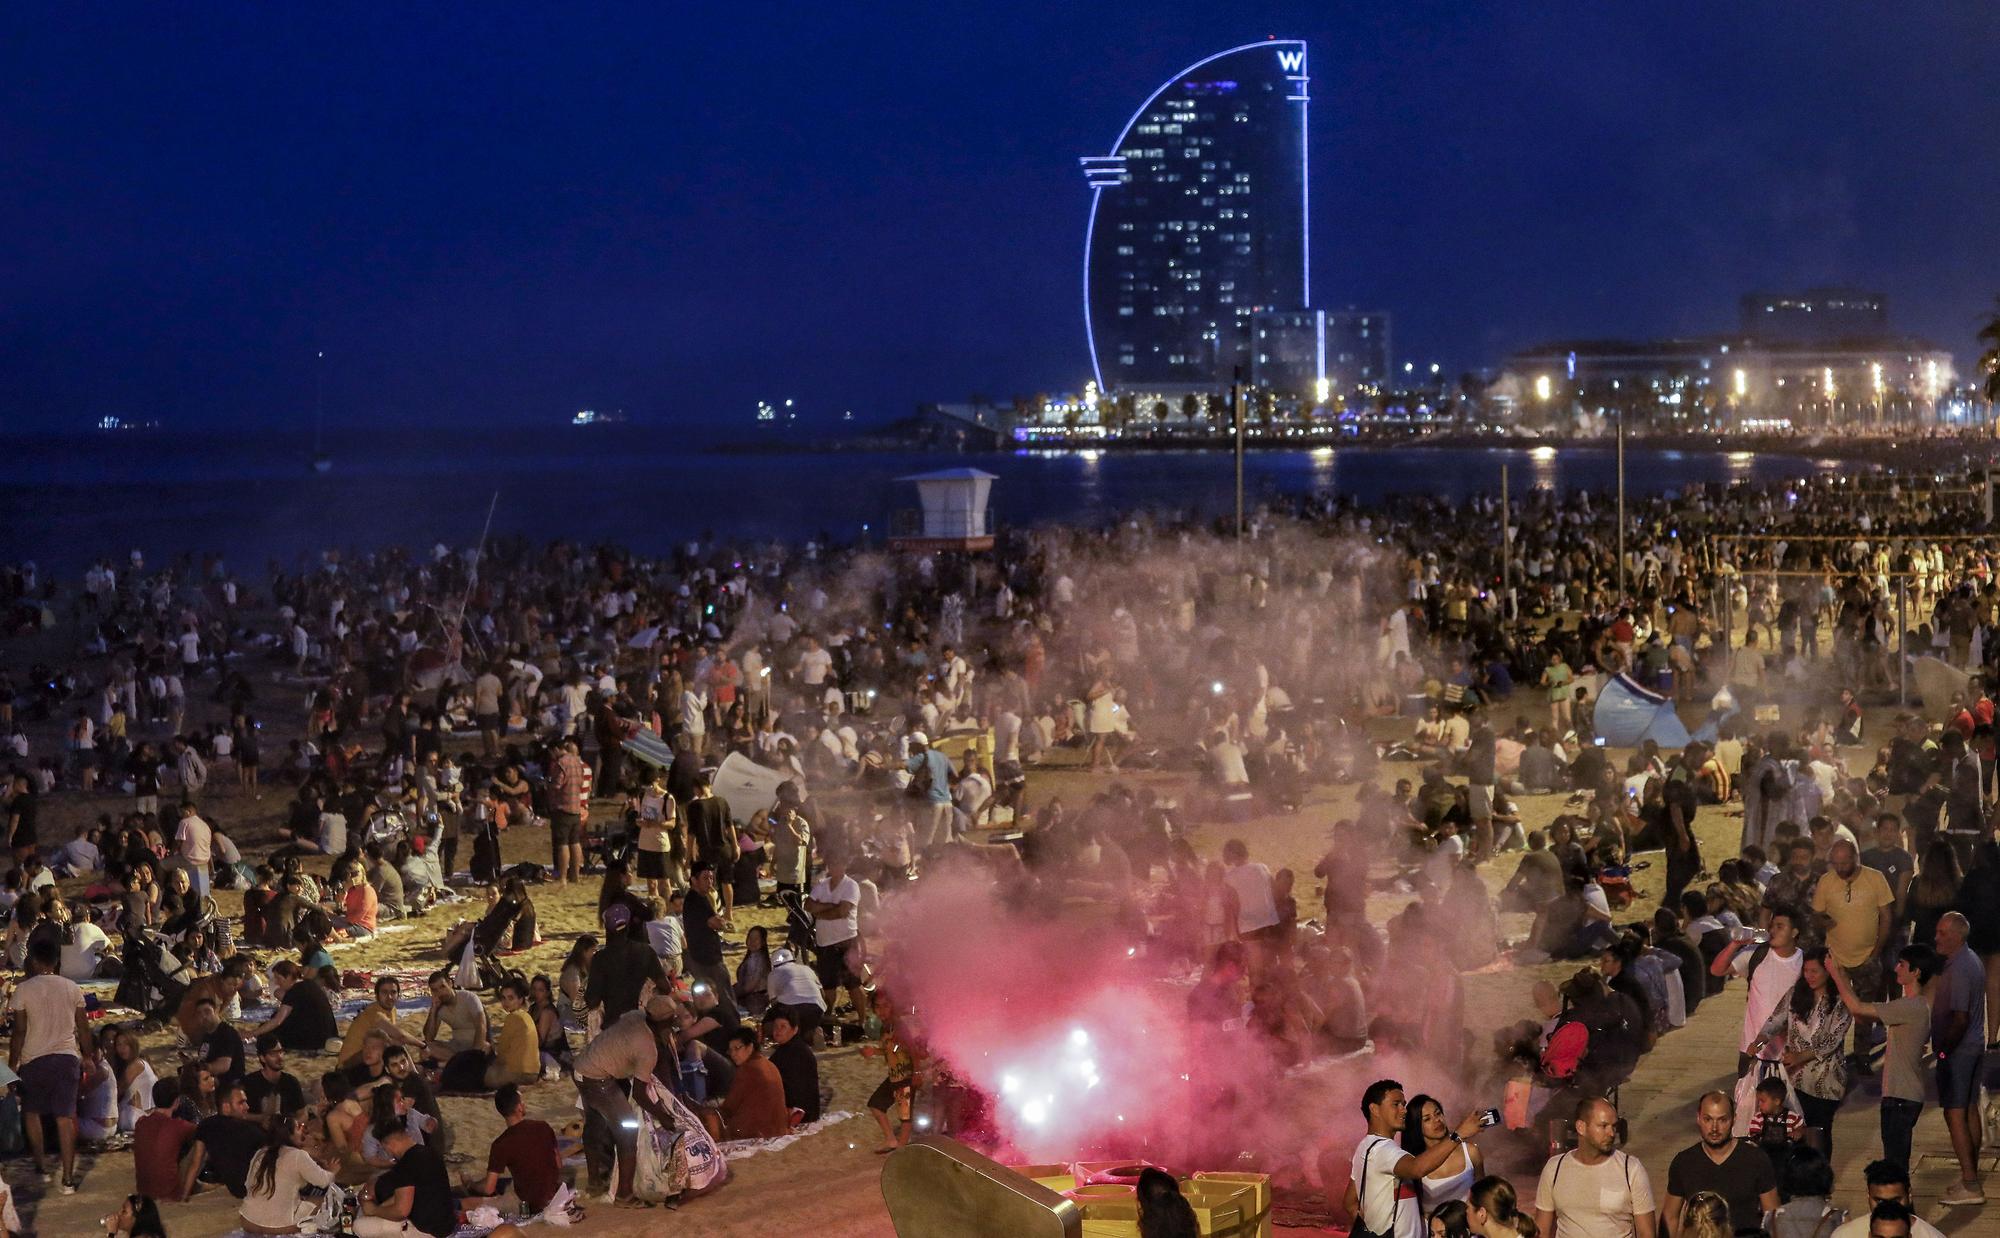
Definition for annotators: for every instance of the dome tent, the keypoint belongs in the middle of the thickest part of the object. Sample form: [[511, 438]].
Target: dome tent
[[1628, 715]]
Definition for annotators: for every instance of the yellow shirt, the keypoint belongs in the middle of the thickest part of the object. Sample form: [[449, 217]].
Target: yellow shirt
[[1853, 905], [519, 1048], [371, 1017]]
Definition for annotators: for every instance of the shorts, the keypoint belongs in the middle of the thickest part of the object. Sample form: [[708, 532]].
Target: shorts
[[565, 828], [489, 722], [653, 864], [830, 965], [889, 1094], [1957, 1078], [1479, 801], [49, 1084]]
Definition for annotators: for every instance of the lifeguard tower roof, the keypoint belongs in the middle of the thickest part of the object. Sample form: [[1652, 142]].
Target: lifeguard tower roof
[[953, 515]]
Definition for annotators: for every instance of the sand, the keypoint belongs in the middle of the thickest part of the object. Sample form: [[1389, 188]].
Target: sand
[[830, 1179]]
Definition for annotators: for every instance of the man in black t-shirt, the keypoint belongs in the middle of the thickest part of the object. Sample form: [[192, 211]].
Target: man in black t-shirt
[[1889, 857], [221, 1048], [703, 956], [271, 1093], [304, 1018], [414, 1189], [1735, 1169], [223, 1146]]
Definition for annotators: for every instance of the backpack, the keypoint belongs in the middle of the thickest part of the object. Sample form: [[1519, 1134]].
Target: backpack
[[1568, 1046]]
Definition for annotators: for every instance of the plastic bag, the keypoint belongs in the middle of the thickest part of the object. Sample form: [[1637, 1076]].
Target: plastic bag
[[1746, 1093], [468, 965]]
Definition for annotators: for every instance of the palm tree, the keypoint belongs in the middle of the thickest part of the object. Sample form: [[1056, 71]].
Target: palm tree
[[1989, 360]]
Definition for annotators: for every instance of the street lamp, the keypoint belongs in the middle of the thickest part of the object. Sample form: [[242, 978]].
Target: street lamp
[[1543, 388]]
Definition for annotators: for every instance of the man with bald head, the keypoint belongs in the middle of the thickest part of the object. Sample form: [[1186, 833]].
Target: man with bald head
[[1958, 1033], [1594, 1190], [1733, 1168], [1855, 903]]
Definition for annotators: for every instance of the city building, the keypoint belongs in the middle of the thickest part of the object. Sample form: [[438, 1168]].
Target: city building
[[1735, 382], [1198, 221], [1294, 351], [1814, 315]]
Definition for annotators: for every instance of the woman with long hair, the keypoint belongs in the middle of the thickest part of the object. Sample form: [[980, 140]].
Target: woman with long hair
[[136, 1078], [1706, 1215], [137, 1217], [1163, 1211], [1814, 1025], [1934, 891], [279, 1173], [575, 976], [1424, 1128], [1496, 1210], [753, 973], [198, 1099], [549, 1031]]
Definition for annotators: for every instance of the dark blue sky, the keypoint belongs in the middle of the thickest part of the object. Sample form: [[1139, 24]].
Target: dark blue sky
[[507, 212]]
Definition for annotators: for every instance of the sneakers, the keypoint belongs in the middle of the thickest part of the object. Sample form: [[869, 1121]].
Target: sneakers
[[68, 1187], [1959, 1195]]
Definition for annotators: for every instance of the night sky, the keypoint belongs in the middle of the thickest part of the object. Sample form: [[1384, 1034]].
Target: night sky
[[508, 212]]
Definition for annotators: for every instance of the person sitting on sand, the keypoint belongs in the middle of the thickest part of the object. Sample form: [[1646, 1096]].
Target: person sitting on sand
[[525, 1151], [755, 1106]]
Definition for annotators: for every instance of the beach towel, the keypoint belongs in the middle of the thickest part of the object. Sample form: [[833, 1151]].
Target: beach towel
[[738, 1149]]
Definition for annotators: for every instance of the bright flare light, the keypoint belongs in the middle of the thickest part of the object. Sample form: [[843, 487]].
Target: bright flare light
[[1323, 390], [1079, 1038], [1543, 387], [1034, 1113], [1826, 382], [1742, 384], [1875, 371]]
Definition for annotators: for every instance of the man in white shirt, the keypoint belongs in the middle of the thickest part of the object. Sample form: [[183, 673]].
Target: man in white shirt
[[1887, 1182], [1595, 1191], [49, 1026], [1256, 903], [1776, 970], [195, 843], [794, 988], [834, 906]]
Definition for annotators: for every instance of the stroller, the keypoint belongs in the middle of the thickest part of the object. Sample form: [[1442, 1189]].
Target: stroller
[[154, 979]]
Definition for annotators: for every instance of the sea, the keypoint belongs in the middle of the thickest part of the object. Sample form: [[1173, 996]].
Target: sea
[[257, 500]]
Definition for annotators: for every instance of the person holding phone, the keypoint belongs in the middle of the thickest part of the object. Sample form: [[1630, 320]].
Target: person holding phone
[[1423, 1129]]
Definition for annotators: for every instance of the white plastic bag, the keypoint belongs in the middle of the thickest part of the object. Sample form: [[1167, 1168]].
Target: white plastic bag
[[1746, 1093], [468, 965]]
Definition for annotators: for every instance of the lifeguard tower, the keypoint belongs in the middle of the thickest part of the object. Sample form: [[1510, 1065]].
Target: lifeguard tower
[[953, 515]]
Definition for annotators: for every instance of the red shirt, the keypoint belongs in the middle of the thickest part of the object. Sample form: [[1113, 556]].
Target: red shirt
[[527, 1150], [157, 1143]]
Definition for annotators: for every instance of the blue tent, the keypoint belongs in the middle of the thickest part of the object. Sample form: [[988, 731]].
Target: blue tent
[[1628, 715]]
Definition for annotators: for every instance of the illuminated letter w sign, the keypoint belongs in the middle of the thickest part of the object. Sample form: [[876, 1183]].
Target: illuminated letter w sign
[[1292, 62]]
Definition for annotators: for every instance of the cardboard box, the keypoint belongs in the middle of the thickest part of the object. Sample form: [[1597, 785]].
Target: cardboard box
[[1257, 1210]]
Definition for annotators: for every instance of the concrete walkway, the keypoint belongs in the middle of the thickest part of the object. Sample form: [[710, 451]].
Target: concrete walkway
[[1658, 1104]]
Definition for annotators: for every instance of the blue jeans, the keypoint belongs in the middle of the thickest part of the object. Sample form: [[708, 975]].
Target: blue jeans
[[1899, 1119], [198, 876]]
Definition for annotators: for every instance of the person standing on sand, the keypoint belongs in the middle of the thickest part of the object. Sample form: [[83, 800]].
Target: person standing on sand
[[50, 1027], [568, 808]]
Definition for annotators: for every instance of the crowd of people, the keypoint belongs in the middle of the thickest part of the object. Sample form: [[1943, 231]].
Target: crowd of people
[[434, 706]]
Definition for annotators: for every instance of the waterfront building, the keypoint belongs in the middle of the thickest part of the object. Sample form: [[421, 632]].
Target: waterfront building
[[1198, 221]]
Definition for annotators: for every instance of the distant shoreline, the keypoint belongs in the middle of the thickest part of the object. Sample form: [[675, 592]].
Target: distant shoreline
[[1912, 453]]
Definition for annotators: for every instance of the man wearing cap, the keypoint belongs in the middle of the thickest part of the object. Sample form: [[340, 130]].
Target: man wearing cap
[[622, 967], [794, 988], [930, 772], [610, 1076]]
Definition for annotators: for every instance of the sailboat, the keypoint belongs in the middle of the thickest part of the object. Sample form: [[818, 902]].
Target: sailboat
[[321, 462]]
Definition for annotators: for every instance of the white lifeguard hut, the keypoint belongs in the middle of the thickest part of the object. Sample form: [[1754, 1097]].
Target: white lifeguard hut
[[953, 515]]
